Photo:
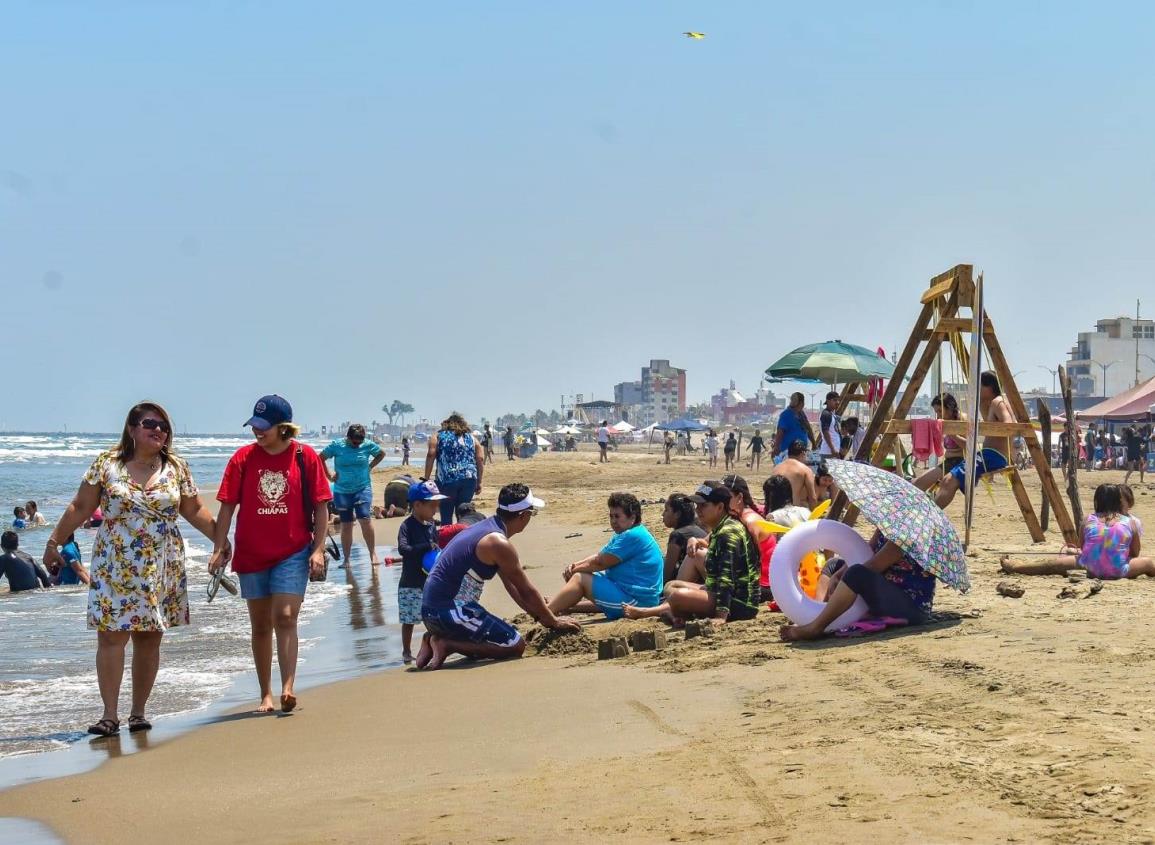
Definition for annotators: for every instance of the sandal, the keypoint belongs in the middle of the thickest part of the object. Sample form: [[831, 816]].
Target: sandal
[[138, 723], [105, 727]]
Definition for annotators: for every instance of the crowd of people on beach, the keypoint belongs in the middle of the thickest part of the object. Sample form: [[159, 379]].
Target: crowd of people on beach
[[284, 498]]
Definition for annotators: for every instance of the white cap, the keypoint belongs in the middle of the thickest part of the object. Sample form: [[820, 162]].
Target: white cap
[[530, 501]]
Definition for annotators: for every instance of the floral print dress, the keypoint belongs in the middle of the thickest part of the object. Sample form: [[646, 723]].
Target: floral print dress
[[138, 556]]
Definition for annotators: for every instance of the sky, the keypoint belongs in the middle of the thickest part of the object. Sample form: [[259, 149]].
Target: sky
[[487, 206]]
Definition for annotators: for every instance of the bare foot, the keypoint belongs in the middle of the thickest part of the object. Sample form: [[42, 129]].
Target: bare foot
[[406, 657], [439, 654], [1006, 564], [266, 705], [797, 633], [631, 612], [425, 653], [288, 702]]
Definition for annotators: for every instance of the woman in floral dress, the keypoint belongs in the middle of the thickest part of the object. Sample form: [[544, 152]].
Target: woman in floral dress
[[138, 587]]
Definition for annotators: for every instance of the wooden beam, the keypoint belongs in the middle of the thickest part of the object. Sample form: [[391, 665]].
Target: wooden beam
[[935, 291], [1025, 507], [960, 325], [1073, 443], [1042, 464], [1044, 414], [959, 428]]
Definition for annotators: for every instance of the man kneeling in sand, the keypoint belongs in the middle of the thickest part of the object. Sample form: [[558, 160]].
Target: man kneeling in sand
[[483, 550]]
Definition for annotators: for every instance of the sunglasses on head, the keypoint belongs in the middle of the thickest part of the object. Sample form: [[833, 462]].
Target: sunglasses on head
[[152, 424]]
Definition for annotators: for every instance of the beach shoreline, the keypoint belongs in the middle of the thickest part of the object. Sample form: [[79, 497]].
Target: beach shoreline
[[1002, 725]]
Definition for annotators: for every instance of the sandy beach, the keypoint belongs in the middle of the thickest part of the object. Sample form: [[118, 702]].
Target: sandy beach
[[1012, 721]]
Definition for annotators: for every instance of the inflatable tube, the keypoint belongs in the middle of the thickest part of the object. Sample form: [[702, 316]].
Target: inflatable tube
[[793, 547], [430, 560]]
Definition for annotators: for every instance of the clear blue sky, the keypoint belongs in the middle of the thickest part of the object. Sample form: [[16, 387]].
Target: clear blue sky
[[485, 205]]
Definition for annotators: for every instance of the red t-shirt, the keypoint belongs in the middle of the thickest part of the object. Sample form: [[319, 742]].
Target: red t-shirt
[[267, 488]]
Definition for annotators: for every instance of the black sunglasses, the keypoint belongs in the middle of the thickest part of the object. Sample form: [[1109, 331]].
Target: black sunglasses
[[152, 424]]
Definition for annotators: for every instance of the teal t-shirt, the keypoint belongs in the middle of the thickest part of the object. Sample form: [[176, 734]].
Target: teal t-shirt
[[351, 463], [640, 572]]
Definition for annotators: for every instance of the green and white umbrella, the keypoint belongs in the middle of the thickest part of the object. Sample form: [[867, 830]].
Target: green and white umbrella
[[832, 362]]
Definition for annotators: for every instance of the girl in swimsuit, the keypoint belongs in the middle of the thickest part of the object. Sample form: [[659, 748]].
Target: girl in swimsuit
[[945, 408], [1111, 545]]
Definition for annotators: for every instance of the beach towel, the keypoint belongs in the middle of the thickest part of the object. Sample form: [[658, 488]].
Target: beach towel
[[921, 437], [870, 625]]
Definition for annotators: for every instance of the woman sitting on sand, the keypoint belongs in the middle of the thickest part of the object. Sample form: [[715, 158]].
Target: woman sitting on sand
[[1111, 545], [628, 571], [891, 583], [732, 564], [679, 517], [742, 506]]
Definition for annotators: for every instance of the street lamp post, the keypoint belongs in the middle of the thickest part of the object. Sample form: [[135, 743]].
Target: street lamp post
[[1054, 378], [1105, 367]]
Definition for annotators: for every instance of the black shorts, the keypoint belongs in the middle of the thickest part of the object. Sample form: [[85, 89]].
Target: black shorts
[[950, 463]]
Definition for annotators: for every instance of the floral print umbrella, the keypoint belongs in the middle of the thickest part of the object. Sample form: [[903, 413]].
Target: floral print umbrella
[[907, 517]]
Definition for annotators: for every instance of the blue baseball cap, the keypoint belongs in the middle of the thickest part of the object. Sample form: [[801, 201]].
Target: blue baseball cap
[[425, 491], [270, 411]]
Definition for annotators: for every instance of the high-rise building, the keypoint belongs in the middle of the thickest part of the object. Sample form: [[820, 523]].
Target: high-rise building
[[663, 392], [1104, 362]]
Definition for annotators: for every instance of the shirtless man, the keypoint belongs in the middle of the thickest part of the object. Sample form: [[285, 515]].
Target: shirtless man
[[800, 476], [993, 455]]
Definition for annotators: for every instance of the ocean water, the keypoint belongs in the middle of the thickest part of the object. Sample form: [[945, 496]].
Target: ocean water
[[48, 692]]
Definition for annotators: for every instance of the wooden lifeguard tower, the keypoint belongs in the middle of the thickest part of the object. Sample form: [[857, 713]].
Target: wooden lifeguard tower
[[948, 307]]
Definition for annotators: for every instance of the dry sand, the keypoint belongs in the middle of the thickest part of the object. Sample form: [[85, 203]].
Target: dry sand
[[1020, 721]]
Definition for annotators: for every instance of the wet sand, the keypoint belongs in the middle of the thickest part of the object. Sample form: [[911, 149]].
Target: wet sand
[[1019, 720]]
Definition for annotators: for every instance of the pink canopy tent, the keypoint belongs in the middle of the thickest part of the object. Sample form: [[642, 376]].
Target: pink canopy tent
[[1130, 405]]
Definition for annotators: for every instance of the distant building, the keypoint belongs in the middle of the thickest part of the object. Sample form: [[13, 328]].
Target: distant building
[[663, 392], [594, 412], [729, 407], [1111, 351], [628, 396]]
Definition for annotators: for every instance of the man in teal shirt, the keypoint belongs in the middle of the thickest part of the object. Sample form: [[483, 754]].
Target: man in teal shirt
[[353, 459]]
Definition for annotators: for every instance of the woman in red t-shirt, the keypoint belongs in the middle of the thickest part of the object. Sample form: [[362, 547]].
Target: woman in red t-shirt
[[280, 537]]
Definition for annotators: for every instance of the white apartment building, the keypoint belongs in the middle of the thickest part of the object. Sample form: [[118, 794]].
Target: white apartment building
[[1103, 362]]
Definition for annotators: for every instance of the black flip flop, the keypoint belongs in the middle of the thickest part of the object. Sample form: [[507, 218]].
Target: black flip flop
[[105, 727], [138, 723]]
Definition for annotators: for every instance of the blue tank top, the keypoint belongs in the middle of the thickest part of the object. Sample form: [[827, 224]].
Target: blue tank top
[[455, 560]]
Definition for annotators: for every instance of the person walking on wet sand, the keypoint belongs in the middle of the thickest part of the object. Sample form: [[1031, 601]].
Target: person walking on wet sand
[[730, 450], [138, 586], [279, 492], [756, 446], [484, 550]]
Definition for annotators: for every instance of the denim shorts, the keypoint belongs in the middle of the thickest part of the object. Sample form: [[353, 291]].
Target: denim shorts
[[290, 576], [359, 504]]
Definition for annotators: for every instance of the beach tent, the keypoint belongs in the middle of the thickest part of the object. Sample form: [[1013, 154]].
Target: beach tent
[[681, 425], [1129, 406], [541, 432], [542, 442], [622, 427]]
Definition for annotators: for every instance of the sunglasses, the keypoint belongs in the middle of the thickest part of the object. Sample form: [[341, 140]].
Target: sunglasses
[[152, 425]]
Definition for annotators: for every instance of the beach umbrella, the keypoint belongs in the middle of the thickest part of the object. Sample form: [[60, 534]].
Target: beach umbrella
[[831, 362], [907, 517]]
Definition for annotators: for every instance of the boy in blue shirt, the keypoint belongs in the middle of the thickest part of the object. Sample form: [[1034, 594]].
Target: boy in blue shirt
[[416, 537], [21, 518]]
